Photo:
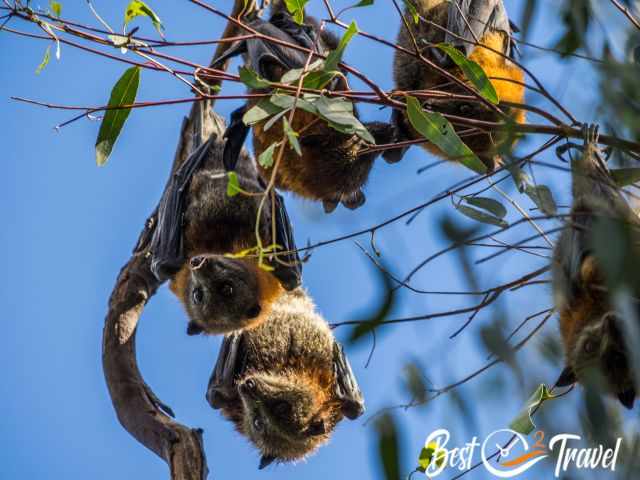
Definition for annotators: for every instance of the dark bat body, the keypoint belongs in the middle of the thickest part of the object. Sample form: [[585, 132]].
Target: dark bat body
[[332, 168], [458, 22], [591, 328], [286, 383], [198, 223]]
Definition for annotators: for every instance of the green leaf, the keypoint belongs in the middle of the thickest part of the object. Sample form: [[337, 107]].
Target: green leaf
[[338, 112], [519, 176], [474, 72], [262, 110], [287, 102], [481, 216], [489, 204], [363, 3], [335, 57], [388, 446], [139, 8], [542, 197], [252, 79], [625, 176], [379, 313], [296, 8], [267, 125], [295, 74], [427, 454], [411, 8], [437, 129], [292, 136], [414, 382], [123, 93], [233, 185], [45, 60], [56, 8], [523, 423], [266, 158]]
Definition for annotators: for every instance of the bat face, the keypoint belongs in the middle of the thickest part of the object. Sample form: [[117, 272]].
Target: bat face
[[600, 345], [221, 294], [285, 416]]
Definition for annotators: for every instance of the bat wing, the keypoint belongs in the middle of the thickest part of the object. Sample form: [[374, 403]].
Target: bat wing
[[166, 243], [230, 365], [289, 272], [470, 20], [235, 135], [262, 55], [347, 388]]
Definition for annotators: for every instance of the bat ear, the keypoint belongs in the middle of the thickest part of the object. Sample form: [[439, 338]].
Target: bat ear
[[566, 378], [627, 398], [265, 461], [194, 329]]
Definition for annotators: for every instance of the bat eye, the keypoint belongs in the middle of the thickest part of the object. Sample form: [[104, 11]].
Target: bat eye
[[282, 408], [317, 428], [197, 295], [258, 424], [589, 347], [225, 289]]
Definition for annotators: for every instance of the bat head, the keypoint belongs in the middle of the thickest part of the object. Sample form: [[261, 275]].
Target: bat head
[[221, 294], [286, 415], [600, 345]]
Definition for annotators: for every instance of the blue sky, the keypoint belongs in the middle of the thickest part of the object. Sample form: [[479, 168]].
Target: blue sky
[[70, 226]]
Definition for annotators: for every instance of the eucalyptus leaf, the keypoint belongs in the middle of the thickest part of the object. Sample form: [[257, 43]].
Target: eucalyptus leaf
[[523, 423], [334, 58], [139, 8], [251, 79], [265, 159], [481, 216], [56, 8], [45, 60], [262, 110], [437, 129], [233, 185], [292, 136], [411, 8], [123, 93], [287, 102], [296, 8], [542, 197], [489, 204], [473, 71], [340, 115]]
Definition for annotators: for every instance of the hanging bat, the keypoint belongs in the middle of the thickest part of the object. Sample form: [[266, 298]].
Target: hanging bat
[[333, 167], [463, 24], [591, 328], [198, 224], [286, 383]]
